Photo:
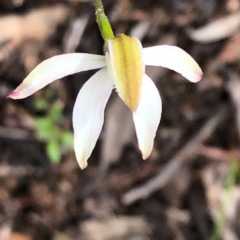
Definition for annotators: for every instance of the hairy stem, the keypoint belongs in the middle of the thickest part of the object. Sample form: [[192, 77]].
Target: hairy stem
[[102, 21], [98, 4]]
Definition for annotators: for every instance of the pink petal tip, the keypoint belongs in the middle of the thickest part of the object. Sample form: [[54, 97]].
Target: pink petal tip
[[18, 93], [198, 76], [12, 95]]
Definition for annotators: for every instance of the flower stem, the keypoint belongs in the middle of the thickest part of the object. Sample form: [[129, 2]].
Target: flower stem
[[102, 21]]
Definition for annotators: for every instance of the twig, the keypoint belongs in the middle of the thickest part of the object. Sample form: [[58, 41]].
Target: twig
[[20, 171], [176, 162]]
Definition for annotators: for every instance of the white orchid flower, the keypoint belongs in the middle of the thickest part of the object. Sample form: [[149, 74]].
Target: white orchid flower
[[123, 67]]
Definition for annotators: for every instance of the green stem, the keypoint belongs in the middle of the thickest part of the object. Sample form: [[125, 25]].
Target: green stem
[[98, 4], [102, 21]]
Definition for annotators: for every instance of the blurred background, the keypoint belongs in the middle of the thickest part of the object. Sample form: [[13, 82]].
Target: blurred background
[[189, 186]]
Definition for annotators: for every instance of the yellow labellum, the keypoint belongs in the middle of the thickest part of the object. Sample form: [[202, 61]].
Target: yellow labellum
[[126, 68]]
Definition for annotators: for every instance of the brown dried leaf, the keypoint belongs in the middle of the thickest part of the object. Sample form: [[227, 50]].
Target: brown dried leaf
[[216, 30], [231, 51], [119, 130], [37, 25], [116, 228]]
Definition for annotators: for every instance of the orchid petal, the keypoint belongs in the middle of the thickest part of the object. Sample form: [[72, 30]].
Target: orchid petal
[[125, 66], [55, 68], [147, 116], [174, 58], [88, 114]]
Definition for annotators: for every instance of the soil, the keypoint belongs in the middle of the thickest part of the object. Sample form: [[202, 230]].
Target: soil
[[189, 186]]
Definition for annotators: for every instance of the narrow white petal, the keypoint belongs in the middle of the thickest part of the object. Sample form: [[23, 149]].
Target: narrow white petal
[[54, 68], [88, 114], [147, 116], [174, 58]]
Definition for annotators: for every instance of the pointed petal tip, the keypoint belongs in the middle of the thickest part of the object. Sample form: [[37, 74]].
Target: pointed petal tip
[[82, 164], [146, 149], [81, 159], [81, 153], [145, 155], [10, 95], [196, 76], [133, 108], [132, 105], [22, 91], [200, 75], [14, 94], [189, 69]]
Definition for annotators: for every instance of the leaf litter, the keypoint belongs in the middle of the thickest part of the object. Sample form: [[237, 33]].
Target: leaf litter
[[179, 191]]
